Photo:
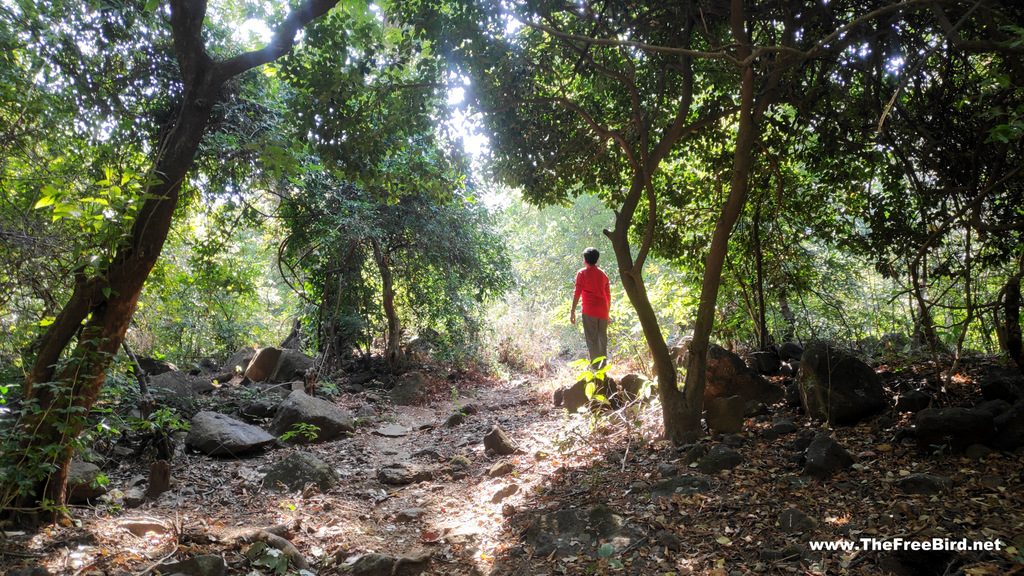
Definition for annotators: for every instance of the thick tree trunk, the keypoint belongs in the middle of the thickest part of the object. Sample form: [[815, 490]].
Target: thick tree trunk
[[393, 347], [1011, 319], [101, 307], [696, 371]]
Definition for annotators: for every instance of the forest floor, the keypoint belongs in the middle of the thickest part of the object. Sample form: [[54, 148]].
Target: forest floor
[[508, 520]]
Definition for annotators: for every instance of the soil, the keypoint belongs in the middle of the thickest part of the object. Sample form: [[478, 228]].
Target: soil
[[468, 522]]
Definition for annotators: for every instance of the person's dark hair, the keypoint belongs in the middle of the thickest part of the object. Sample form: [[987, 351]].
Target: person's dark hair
[[591, 255]]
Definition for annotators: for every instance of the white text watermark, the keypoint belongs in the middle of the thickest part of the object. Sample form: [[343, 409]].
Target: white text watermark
[[891, 544]]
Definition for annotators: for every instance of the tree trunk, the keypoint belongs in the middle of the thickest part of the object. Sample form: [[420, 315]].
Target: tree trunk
[[393, 348], [696, 371], [1011, 319], [762, 321], [631, 275], [100, 308]]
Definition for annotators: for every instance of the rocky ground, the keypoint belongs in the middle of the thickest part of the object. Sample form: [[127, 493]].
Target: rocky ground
[[416, 491]]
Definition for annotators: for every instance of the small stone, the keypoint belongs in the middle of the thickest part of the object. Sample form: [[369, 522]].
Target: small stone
[[498, 442], [784, 426], [505, 493], [977, 452], [793, 520], [392, 431], [925, 484], [992, 481], [410, 514], [454, 420], [502, 468], [508, 510], [667, 470]]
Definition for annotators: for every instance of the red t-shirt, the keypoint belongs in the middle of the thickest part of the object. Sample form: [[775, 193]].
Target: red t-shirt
[[592, 284]]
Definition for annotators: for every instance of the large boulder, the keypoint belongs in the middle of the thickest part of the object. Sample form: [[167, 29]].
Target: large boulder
[[726, 415], [299, 408], [291, 366], [221, 435], [84, 482], [838, 388], [263, 364], [177, 384], [410, 389], [239, 360], [954, 428], [727, 375], [1010, 425], [155, 367]]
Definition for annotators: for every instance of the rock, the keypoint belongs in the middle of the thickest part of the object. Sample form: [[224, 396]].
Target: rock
[[784, 426], [366, 411], [134, 497], [631, 385], [755, 408], [375, 564], [498, 442], [410, 389], [913, 401], [792, 521], [977, 452], [666, 470], [33, 571], [804, 439], [178, 385], [454, 420], [726, 414], [838, 388], [925, 484], [793, 399], [155, 367], [955, 428], [392, 431], [218, 434], [765, 361], [300, 408], [732, 440], [574, 531], [298, 469], [789, 351], [239, 360], [292, 366], [410, 514], [727, 375], [825, 457], [666, 539], [84, 482], [694, 453], [575, 397], [508, 510], [263, 364], [504, 492], [402, 473], [503, 468], [460, 462], [992, 481], [204, 565], [719, 458], [1010, 427], [995, 407], [260, 409], [685, 485], [1003, 385]]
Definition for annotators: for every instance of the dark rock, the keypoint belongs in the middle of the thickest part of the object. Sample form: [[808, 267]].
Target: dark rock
[[719, 458], [804, 439], [755, 408], [793, 395], [765, 362], [926, 484], [297, 469], [154, 367], [375, 564], [694, 453], [366, 411], [411, 389], [454, 420], [838, 388], [498, 442], [732, 440], [204, 565], [992, 481], [218, 434], [260, 409], [1010, 427], [666, 470], [685, 485], [825, 457], [238, 361], [570, 532], [726, 414], [292, 366], [727, 375], [1003, 385], [956, 428], [784, 426], [995, 407], [83, 482], [770, 434], [299, 408], [913, 401], [792, 521], [401, 473], [575, 397], [789, 351], [134, 497], [263, 364], [631, 385], [977, 452], [178, 385], [33, 571], [666, 539]]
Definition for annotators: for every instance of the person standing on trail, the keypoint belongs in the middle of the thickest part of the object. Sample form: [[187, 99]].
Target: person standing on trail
[[593, 288]]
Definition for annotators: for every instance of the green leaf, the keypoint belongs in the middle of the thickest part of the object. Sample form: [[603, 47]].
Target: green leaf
[[605, 550]]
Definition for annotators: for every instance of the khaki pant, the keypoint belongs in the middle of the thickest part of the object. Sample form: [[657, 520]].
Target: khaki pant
[[596, 332]]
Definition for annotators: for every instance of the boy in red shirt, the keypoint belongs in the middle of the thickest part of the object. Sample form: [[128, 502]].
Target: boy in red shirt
[[592, 285]]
